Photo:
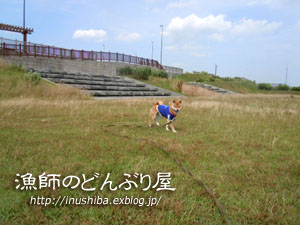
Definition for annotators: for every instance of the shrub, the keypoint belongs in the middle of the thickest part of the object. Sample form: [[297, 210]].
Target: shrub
[[282, 87], [141, 73], [126, 70], [212, 79], [159, 73], [237, 78], [295, 89], [227, 79], [18, 67], [179, 85], [32, 77], [265, 86], [200, 80], [215, 77]]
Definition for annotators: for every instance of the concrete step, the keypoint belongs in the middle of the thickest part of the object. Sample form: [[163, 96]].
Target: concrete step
[[128, 93], [92, 82], [106, 86], [211, 87], [81, 77], [114, 88]]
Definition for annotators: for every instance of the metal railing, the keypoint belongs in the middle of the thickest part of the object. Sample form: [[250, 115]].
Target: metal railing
[[18, 48]]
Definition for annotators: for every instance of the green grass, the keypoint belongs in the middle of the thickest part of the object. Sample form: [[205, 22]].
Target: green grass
[[169, 84], [245, 148], [233, 84]]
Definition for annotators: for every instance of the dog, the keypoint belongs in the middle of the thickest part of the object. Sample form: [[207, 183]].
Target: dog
[[169, 112]]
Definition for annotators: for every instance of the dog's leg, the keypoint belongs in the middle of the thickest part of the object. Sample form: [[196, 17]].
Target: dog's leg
[[167, 126], [157, 117], [172, 127], [153, 113]]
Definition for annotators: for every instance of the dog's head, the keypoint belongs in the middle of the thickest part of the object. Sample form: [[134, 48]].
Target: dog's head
[[176, 105]]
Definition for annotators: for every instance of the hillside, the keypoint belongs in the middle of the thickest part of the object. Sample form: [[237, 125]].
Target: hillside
[[244, 148], [235, 84]]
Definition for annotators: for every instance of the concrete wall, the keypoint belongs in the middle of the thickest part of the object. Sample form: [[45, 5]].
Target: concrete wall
[[72, 66]]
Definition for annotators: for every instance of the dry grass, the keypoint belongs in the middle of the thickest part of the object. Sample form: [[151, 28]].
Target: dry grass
[[192, 90], [246, 148]]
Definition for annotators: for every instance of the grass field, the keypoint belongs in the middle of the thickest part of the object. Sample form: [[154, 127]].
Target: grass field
[[245, 148], [234, 84]]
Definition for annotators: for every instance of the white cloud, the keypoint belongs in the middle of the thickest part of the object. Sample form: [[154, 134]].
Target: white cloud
[[184, 47], [129, 37], [196, 54], [182, 3], [218, 37], [254, 27], [273, 2], [193, 23], [217, 27], [91, 34]]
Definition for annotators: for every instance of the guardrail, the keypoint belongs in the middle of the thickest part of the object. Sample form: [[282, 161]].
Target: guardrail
[[13, 47]]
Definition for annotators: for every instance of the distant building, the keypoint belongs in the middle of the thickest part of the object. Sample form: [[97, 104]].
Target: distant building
[[172, 71]]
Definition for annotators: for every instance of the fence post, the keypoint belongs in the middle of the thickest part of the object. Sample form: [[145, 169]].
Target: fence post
[[81, 54], [108, 56], [34, 50], [20, 53], [3, 48], [117, 57]]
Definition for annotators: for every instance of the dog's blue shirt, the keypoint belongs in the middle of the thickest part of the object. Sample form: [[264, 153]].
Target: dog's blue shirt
[[164, 110]]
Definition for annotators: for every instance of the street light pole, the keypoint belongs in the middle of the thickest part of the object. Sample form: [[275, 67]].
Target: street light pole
[[216, 67], [152, 51], [24, 14], [161, 43]]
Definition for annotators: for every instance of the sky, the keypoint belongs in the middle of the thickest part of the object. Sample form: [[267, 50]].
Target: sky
[[246, 38]]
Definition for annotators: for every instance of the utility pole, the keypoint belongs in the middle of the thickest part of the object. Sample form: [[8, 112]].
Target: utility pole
[[216, 67], [161, 43], [286, 74]]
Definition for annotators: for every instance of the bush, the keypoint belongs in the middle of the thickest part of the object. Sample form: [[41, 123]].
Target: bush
[[18, 67], [126, 70], [215, 77], [265, 86], [212, 79], [32, 77], [159, 73], [227, 79], [141, 73], [295, 89], [282, 87], [200, 80]]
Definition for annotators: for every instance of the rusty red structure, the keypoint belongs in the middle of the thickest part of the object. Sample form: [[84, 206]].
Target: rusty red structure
[[17, 29], [17, 48]]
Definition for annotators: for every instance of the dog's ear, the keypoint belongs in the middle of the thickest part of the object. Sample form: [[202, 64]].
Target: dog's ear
[[174, 101], [180, 101]]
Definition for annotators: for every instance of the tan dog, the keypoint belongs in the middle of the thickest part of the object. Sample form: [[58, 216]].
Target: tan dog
[[169, 112]]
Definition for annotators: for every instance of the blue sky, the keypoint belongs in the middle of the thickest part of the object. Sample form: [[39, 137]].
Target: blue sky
[[249, 38]]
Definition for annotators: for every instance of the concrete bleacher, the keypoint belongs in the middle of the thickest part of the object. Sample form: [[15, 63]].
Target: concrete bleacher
[[106, 86]]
